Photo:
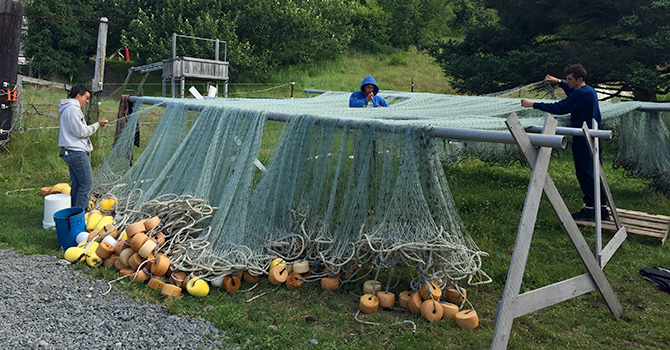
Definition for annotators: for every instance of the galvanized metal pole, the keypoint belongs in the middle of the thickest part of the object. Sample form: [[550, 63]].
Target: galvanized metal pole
[[554, 141], [596, 194], [11, 15]]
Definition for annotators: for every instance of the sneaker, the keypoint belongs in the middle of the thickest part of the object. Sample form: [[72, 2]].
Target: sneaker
[[588, 214], [604, 214], [584, 214]]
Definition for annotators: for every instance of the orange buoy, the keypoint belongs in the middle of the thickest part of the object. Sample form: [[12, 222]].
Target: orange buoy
[[138, 240], [110, 230], [44, 191], [125, 256], [179, 279], [126, 272], [119, 265], [403, 299], [248, 277], [159, 238], [147, 248], [231, 283], [170, 290], [386, 299], [135, 261], [454, 296], [449, 310], [134, 228], [140, 276], [294, 281], [104, 250], [431, 310], [119, 247], [414, 304], [430, 288], [467, 319], [149, 224], [93, 235], [301, 266], [161, 265], [110, 261], [278, 275], [369, 285], [369, 304], [330, 283], [155, 283]]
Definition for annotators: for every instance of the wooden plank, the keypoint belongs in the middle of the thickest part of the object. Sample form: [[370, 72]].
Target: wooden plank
[[578, 241], [610, 226], [612, 246], [639, 223], [505, 314], [650, 217], [553, 294]]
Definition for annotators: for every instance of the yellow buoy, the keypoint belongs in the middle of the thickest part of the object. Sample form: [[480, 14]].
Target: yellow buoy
[[277, 261], [65, 189], [93, 260], [197, 287], [104, 221], [93, 218], [74, 253], [107, 204]]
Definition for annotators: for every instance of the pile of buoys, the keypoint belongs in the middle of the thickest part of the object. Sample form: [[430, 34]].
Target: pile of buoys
[[57, 188], [425, 301]]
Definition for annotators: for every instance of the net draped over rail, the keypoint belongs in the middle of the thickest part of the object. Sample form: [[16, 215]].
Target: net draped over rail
[[343, 185]]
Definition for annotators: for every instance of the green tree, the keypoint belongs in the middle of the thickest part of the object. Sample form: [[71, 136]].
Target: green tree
[[61, 35], [624, 43]]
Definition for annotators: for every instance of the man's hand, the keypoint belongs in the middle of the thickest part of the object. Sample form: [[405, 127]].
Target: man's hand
[[551, 80], [103, 122], [370, 96], [526, 103]]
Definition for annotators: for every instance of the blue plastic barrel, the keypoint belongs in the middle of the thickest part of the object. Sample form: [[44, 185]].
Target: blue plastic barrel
[[69, 222]]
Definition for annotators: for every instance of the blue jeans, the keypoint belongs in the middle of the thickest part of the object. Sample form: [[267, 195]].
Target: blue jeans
[[81, 177]]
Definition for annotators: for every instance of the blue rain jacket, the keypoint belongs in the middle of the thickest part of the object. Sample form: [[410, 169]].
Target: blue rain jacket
[[358, 98]]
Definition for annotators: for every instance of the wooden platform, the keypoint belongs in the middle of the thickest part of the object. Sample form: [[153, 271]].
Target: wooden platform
[[637, 223]]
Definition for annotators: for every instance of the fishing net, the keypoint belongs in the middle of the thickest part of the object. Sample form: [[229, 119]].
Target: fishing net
[[343, 186]]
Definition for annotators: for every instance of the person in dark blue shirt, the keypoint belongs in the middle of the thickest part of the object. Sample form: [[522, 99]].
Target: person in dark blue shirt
[[582, 104], [367, 95]]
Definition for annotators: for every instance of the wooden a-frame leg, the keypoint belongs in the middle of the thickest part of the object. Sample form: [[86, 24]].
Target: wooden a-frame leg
[[505, 315]]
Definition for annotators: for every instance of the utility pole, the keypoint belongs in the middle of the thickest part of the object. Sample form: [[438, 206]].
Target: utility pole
[[99, 75], [11, 17]]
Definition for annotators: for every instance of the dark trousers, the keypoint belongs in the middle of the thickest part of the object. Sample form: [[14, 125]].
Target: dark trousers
[[584, 170]]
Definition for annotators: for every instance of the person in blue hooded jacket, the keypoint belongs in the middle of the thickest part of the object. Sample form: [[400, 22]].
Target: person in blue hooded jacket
[[582, 104], [367, 95]]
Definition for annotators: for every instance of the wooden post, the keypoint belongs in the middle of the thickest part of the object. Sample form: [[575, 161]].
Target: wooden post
[[99, 74], [11, 15]]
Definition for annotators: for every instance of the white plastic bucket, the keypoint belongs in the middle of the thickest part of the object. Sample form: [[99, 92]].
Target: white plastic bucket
[[52, 204]]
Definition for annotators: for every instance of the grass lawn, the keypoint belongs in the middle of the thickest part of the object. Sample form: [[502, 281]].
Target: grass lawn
[[489, 199]]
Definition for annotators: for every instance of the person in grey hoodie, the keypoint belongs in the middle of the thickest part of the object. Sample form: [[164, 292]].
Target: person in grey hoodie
[[75, 145]]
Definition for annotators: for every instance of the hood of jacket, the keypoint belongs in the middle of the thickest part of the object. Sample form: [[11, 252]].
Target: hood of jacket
[[370, 80], [67, 103]]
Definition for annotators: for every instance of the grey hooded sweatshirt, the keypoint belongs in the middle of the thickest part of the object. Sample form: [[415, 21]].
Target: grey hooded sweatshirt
[[74, 133]]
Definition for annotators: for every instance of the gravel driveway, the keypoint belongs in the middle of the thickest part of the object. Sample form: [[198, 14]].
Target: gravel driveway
[[46, 304]]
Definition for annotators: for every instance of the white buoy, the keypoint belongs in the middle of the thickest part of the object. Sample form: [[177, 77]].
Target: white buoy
[[110, 240], [81, 237], [52, 204]]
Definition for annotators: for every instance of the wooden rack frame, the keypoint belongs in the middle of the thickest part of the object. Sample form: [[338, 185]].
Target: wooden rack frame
[[513, 304]]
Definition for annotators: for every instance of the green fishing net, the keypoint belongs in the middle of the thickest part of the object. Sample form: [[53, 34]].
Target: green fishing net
[[343, 186]]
